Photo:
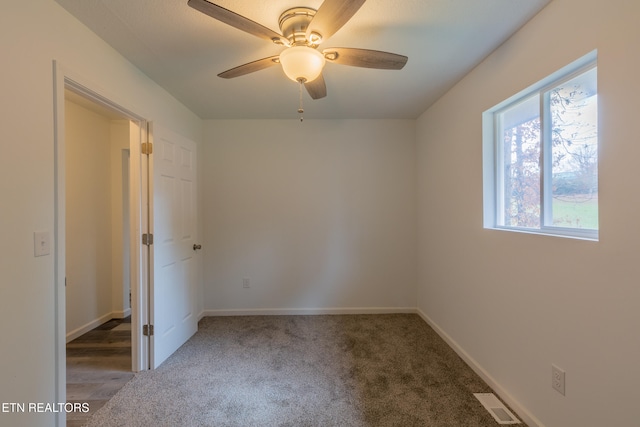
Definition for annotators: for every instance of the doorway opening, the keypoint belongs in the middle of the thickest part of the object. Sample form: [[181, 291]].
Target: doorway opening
[[97, 269], [97, 253], [101, 266]]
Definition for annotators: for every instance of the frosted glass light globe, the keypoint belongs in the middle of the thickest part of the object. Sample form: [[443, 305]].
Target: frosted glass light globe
[[302, 63]]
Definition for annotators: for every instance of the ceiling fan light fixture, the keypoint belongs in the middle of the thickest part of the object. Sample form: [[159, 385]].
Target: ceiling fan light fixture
[[302, 63]]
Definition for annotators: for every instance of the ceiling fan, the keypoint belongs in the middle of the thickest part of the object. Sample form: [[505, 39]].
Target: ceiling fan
[[303, 30]]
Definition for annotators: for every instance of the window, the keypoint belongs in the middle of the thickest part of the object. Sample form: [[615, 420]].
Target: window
[[541, 156]]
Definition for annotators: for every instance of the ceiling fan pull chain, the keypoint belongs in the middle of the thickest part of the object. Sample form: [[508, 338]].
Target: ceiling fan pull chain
[[300, 109]]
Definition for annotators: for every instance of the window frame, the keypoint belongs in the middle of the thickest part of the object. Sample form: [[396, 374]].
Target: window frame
[[493, 177]]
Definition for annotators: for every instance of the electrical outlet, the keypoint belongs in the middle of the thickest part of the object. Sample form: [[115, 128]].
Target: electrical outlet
[[246, 283], [557, 379]]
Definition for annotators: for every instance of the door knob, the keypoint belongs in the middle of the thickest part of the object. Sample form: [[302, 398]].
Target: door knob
[[196, 247]]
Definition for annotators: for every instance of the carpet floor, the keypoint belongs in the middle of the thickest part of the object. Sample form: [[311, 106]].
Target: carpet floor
[[334, 370]]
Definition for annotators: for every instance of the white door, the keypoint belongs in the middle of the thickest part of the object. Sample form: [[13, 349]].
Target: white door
[[174, 226]]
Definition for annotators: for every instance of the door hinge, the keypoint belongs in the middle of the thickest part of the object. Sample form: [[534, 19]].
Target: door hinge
[[147, 239], [147, 148], [147, 330]]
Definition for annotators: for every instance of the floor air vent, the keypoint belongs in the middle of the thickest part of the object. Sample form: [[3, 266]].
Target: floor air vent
[[496, 408]]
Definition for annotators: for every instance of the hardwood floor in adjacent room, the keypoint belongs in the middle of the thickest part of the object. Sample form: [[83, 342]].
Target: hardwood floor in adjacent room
[[98, 366]]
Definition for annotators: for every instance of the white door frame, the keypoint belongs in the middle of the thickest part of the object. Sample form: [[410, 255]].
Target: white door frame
[[139, 216]]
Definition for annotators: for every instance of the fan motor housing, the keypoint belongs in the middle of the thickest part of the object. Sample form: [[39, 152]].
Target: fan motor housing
[[294, 23]]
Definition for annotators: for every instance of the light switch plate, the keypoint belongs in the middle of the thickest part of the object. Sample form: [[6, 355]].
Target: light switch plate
[[41, 243], [557, 379]]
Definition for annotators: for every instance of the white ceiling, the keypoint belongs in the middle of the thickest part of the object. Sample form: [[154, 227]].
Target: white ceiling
[[183, 50]]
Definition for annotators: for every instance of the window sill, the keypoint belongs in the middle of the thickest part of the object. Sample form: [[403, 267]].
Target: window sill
[[589, 235]]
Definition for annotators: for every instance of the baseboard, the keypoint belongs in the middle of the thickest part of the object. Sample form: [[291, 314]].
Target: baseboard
[[519, 409], [88, 326], [307, 311], [121, 314]]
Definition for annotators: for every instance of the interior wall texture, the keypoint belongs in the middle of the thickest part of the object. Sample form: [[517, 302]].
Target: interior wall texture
[[515, 303], [97, 273], [120, 137], [89, 256], [32, 35], [318, 215]]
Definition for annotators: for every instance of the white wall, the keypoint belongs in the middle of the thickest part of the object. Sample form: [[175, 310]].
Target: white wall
[[319, 215], [516, 303], [97, 265], [32, 35], [89, 255], [120, 131]]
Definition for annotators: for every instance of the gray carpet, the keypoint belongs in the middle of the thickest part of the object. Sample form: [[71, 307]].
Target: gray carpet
[[347, 370]]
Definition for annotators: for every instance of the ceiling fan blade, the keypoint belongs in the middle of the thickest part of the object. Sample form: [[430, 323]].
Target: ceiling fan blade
[[237, 21], [317, 88], [365, 58], [250, 67], [332, 15]]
